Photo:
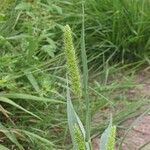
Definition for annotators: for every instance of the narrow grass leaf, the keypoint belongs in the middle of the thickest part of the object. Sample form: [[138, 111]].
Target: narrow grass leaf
[[8, 101], [10, 135], [33, 81], [85, 78], [37, 137], [2, 147], [30, 97], [23, 6], [98, 93]]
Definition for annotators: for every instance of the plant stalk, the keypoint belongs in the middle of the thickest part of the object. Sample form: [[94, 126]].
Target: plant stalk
[[85, 81]]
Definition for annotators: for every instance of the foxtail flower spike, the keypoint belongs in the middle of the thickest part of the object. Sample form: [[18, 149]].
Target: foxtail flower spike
[[72, 65], [79, 138]]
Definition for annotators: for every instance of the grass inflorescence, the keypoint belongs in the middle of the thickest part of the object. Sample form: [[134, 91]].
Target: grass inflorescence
[[72, 65]]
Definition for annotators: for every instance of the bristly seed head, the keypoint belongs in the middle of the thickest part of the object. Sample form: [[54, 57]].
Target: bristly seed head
[[79, 138], [72, 64]]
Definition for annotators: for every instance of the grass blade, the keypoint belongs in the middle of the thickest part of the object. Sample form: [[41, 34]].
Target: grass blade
[[85, 79], [35, 136], [2, 147], [8, 101], [29, 97], [33, 81], [10, 135]]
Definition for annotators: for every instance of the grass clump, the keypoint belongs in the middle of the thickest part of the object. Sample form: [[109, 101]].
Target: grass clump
[[32, 78], [116, 31]]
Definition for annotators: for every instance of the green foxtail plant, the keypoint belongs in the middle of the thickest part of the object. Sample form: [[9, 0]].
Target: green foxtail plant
[[76, 128], [78, 139], [81, 137]]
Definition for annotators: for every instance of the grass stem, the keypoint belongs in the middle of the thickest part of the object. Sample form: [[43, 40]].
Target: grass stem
[[85, 80]]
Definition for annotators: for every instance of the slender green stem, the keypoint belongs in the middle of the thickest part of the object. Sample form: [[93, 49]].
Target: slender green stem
[[85, 80]]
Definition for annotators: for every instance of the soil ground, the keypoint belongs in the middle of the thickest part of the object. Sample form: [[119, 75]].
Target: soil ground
[[138, 137]]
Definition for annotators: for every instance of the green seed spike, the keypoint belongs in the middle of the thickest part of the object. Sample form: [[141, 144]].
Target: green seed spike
[[111, 138], [72, 64], [107, 141], [79, 138]]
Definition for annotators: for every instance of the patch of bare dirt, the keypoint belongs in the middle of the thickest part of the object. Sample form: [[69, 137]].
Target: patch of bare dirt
[[142, 78], [139, 135]]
